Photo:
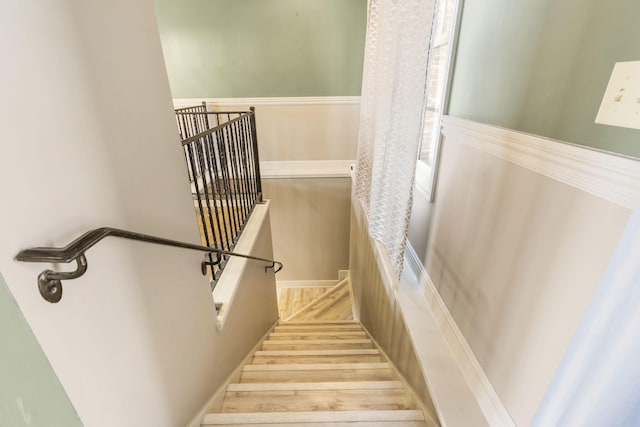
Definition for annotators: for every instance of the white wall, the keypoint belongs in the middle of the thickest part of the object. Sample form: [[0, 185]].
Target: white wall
[[310, 220], [522, 230], [89, 140]]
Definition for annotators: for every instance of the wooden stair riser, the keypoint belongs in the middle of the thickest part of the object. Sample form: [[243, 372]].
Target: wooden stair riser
[[317, 335], [317, 376], [319, 323], [272, 360], [317, 328], [341, 385], [317, 356], [317, 344]]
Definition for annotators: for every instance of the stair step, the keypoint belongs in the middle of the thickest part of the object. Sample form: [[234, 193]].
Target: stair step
[[332, 417], [316, 344], [312, 335], [318, 352], [318, 322], [311, 375], [315, 367], [335, 424], [273, 360], [316, 356], [317, 328], [341, 385], [314, 400]]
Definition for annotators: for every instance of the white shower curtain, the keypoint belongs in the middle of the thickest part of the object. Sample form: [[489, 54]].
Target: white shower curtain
[[391, 111], [598, 382]]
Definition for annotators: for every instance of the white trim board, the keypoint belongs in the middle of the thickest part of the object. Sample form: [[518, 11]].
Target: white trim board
[[606, 175], [306, 169], [271, 101], [485, 395]]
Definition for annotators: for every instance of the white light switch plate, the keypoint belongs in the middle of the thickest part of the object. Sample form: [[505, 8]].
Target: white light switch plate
[[621, 103]]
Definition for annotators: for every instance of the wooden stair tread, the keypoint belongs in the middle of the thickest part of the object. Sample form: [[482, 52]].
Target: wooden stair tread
[[315, 366], [318, 374], [337, 335], [290, 376], [317, 328], [341, 385], [316, 356], [260, 360], [336, 424], [318, 323], [317, 352], [249, 418], [317, 344], [314, 400]]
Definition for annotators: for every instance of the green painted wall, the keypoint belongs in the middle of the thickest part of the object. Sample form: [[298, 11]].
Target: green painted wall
[[262, 48], [542, 66], [30, 393]]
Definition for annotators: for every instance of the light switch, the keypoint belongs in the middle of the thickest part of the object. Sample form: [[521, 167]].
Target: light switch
[[621, 103]]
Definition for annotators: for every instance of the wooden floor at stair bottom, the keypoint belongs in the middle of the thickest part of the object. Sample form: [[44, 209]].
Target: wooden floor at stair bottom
[[318, 374]]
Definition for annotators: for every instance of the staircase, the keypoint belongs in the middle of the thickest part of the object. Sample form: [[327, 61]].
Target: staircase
[[318, 373]]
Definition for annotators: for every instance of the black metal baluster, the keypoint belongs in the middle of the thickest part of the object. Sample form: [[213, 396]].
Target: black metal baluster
[[249, 159], [256, 157], [200, 207], [224, 167], [208, 226], [238, 183], [249, 147], [233, 181], [243, 169], [210, 158]]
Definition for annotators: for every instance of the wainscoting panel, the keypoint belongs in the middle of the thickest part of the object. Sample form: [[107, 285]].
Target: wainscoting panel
[[304, 128], [522, 229]]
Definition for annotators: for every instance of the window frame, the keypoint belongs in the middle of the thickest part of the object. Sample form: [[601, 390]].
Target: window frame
[[426, 175]]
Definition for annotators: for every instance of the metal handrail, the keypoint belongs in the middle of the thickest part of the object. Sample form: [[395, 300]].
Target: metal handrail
[[215, 129], [50, 282], [186, 113]]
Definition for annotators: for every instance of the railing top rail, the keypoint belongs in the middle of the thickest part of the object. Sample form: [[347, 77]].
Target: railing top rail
[[215, 129], [49, 281], [199, 106], [185, 113]]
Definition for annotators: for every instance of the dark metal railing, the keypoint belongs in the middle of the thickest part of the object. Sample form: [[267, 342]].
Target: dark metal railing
[[50, 282], [221, 151]]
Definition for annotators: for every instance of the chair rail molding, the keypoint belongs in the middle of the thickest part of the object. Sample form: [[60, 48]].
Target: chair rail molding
[[306, 169], [612, 177], [268, 101]]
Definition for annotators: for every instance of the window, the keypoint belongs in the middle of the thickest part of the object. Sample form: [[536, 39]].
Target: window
[[440, 53]]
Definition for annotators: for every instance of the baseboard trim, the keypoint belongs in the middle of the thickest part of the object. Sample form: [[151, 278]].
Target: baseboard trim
[[270, 101], [306, 169], [606, 175], [486, 396]]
